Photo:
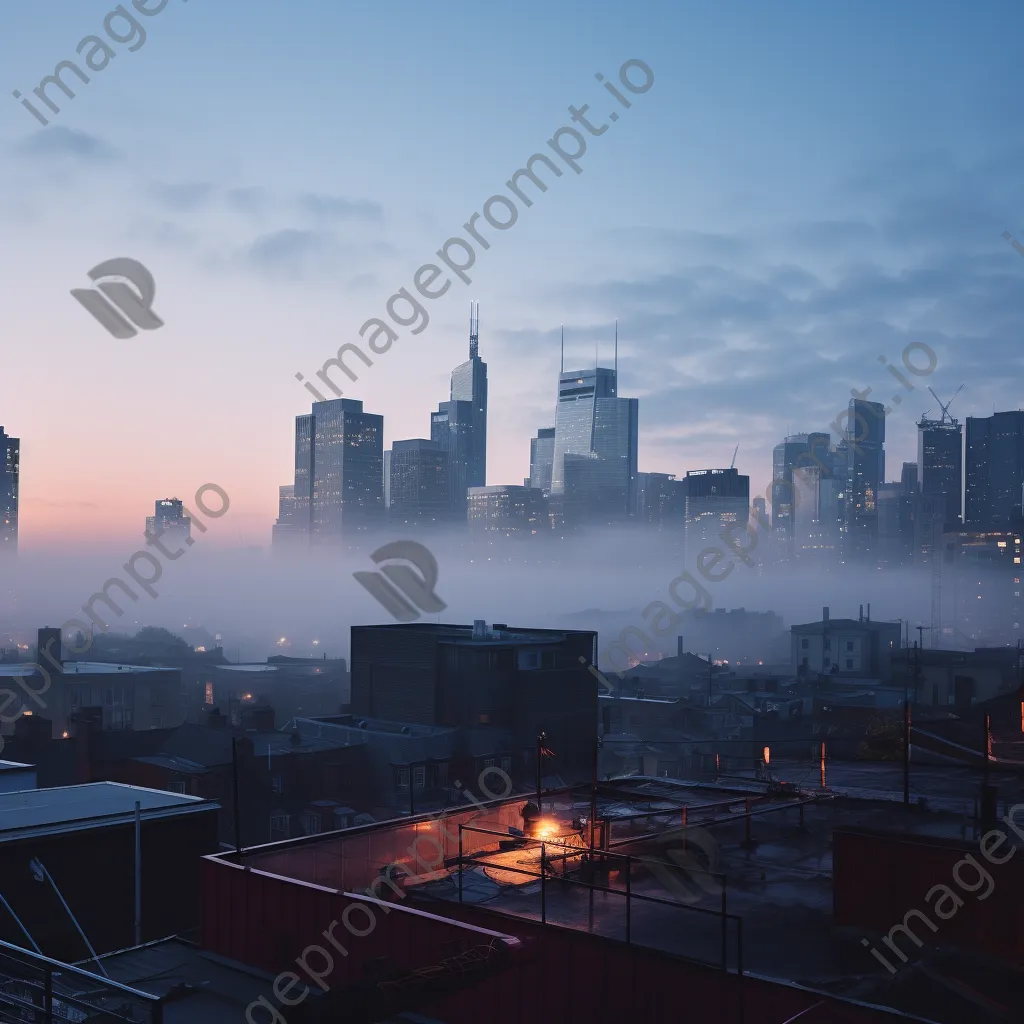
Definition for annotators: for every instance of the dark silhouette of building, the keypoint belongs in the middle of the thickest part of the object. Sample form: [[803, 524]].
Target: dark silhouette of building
[[714, 499], [169, 519], [517, 682], [10, 455], [451, 428], [661, 501], [994, 468]]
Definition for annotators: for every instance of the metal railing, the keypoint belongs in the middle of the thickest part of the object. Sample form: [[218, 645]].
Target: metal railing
[[37, 990], [565, 852]]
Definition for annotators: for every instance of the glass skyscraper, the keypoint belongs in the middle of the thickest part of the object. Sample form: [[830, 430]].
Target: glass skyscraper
[[169, 518], [865, 437], [418, 485], [10, 449], [994, 468], [451, 427], [339, 472], [542, 456]]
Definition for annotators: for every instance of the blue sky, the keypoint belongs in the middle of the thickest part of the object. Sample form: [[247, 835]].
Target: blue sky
[[806, 187]]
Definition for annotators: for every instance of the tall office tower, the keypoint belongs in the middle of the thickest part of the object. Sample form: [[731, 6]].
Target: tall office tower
[[469, 384], [169, 518], [865, 430], [286, 529], [660, 501], [452, 427], [940, 463], [542, 456], [714, 498], [339, 471], [796, 451], [418, 482], [994, 468], [10, 453], [815, 519], [594, 466]]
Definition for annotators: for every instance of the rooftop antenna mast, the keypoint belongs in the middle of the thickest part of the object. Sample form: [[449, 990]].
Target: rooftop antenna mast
[[734, 454], [474, 331], [562, 368], [616, 353]]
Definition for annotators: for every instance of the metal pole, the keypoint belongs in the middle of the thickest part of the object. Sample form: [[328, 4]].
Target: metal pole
[[18, 922], [48, 995], [412, 802], [74, 920], [725, 934], [138, 873], [540, 747], [629, 901], [543, 892], [460, 863], [593, 799], [234, 783], [906, 747]]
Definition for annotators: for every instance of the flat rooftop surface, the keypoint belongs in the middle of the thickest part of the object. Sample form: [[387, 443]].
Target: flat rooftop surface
[[66, 807]]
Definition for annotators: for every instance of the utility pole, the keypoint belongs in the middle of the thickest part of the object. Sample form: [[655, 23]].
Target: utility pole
[[710, 672], [906, 731], [541, 737]]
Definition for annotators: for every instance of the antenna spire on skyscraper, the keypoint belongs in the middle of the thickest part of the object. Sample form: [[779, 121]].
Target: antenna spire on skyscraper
[[616, 353], [561, 368], [474, 331]]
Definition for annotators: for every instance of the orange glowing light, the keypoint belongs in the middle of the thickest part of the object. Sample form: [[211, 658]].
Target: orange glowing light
[[545, 829], [767, 756]]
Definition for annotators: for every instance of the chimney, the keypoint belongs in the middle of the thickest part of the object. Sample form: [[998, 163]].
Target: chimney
[[48, 649], [679, 646], [824, 614], [869, 612], [860, 617]]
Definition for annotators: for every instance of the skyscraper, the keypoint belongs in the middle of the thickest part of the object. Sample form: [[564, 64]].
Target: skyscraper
[[10, 453], [796, 451], [339, 471], [286, 529], [594, 464], [994, 468], [542, 457], [469, 384], [940, 463], [169, 518], [452, 427], [418, 486], [714, 498], [865, 438]]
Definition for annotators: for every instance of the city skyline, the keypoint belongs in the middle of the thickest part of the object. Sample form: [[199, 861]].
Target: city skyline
[[754, 303]]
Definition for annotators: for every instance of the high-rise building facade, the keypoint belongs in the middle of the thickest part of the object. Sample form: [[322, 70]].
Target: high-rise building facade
[[452, 428], [940, 464], [594, 465], [865, 439], [508, 511], [714, 499], [10, 456], [660, 501], [339, 472], [286, 529], [542, 457], [796, 451], [994, 468], [418, 486], [169, 519], [469, 384]]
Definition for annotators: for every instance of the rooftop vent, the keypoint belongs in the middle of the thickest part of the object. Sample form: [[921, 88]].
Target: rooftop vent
[[479, 629], [362, 724]]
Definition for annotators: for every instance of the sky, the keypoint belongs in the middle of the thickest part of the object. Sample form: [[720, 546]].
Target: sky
[[804, 190]]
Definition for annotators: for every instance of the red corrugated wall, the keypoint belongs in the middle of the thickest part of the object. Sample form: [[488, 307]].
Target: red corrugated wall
[[879, 877], [556, 974]]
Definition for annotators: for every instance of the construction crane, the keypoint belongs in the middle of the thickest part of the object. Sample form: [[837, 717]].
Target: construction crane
[[945, 417], [733, 463]]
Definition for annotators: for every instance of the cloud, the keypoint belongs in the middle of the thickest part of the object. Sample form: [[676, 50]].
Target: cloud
[[337, 208], [183, 196], [66, 142]]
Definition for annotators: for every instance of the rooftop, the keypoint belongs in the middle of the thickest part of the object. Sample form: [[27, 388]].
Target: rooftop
[[78, 668], [69, 808]]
